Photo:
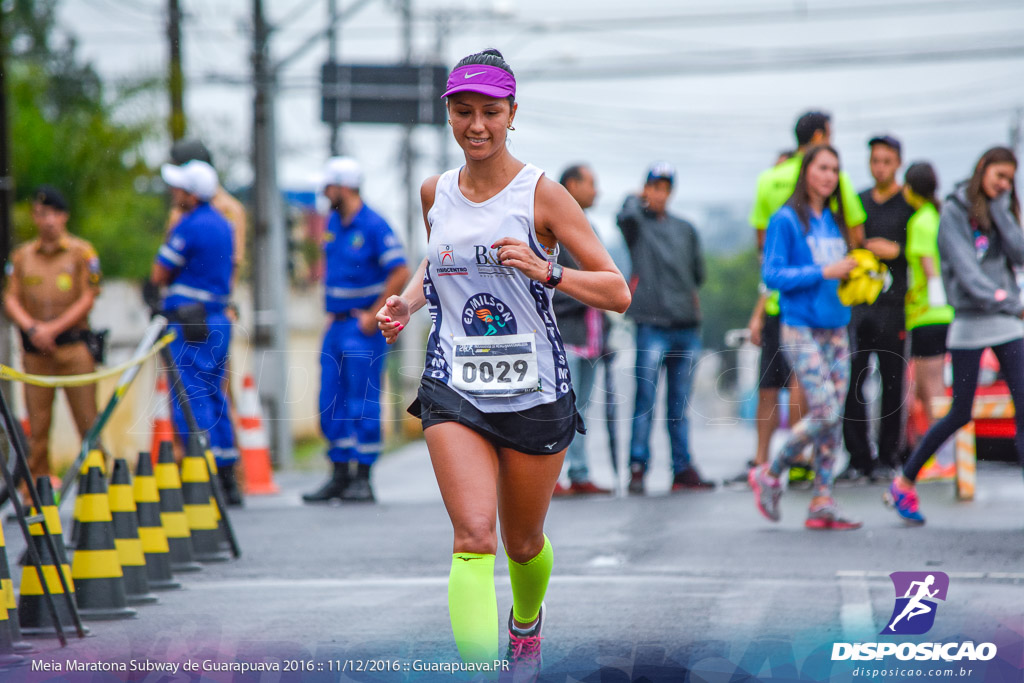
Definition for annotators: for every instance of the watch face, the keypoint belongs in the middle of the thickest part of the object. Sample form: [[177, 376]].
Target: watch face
[[556, 276]]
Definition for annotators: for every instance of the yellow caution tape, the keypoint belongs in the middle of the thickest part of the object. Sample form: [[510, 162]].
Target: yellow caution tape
[[10, 373]]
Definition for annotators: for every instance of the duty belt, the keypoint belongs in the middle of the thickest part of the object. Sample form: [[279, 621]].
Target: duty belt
[[197, 294], [65, 338]]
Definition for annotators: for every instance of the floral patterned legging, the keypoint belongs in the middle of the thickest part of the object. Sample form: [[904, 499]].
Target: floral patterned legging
[[821, 360]]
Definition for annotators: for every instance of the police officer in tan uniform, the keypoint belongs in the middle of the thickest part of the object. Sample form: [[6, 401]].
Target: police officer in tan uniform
[[52, 283]]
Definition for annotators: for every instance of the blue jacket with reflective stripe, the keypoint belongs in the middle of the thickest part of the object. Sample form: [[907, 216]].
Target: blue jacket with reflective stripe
[[200, 253], [359, 257]]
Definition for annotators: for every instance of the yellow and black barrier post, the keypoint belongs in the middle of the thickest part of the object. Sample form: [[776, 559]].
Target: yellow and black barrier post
[[200, 443], [126, 536], [12, 429], [47, 573], [9, 601], [151, 530], [96, 567], [172, 512]]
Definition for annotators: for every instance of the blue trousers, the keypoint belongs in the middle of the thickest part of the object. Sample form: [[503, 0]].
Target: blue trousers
[[582, 371], [201, 367], [675, 348], [351, 374]]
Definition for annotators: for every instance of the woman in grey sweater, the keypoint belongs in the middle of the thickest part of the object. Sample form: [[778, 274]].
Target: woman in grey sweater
[[980, 242]]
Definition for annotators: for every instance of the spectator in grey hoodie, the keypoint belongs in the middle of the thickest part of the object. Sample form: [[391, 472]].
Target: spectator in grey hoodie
[[980, 242], [668, 268]]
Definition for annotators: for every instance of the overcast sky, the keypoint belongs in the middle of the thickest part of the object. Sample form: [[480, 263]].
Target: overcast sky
[[713, 86]]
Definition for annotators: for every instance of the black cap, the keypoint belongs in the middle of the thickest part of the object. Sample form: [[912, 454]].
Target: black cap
[[47, 195], [184, 151], [888, 141]]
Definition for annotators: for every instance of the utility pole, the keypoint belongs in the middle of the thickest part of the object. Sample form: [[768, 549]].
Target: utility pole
[[1017, 130], [176, 78], [442, 27], [269, 281], [408, 153], [332, 58], [6, 193]]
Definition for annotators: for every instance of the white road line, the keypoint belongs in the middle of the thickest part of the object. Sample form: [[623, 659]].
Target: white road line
[[961, 576], [855, 614]]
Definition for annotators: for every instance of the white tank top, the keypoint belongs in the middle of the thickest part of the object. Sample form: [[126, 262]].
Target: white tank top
[[494, 339]]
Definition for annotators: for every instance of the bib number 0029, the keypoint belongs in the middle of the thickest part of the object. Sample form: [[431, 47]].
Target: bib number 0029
[[495, 366]]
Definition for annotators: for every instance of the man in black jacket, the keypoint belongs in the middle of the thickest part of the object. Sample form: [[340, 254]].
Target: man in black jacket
[[583, 331], [668, 269]]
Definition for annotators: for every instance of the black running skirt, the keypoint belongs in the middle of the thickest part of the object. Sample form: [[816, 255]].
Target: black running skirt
[[541, 430]]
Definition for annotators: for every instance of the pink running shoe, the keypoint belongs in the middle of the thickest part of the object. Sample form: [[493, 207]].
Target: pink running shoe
[[767, 492], [827, 515], [904, 501], [523, 652]]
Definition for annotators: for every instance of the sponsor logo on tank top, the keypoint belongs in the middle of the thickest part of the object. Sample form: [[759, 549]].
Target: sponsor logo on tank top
[[485, 315], [487, 263], [446, 262]]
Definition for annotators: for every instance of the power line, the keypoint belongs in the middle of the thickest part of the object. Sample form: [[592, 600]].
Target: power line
[[717, 62], [754, 14]]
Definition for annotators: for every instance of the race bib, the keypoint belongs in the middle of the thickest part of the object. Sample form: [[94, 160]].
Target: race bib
[[504, 365]]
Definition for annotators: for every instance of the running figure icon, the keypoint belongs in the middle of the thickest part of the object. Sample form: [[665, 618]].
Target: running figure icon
[[916, 607]]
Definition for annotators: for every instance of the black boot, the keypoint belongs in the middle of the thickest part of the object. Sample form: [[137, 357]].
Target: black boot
[[333, 488], [228, 484], [358, 490]]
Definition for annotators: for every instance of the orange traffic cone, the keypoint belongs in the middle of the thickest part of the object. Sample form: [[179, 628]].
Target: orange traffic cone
[[163, 430], [253, 444]]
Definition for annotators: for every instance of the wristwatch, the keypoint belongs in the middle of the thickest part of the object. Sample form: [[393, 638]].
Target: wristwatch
[[554, 275]]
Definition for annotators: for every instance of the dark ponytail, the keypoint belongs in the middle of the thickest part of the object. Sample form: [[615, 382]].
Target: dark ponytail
[[922, 179], [489, 57]]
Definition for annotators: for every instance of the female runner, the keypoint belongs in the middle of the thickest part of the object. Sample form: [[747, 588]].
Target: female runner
[[496, 399]]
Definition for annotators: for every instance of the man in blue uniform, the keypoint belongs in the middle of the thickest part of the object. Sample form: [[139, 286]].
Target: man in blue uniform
[[196, 265], [365, 265]]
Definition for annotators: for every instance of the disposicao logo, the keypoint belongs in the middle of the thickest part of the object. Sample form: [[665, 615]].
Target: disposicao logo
[[914, 614], [916, 593]]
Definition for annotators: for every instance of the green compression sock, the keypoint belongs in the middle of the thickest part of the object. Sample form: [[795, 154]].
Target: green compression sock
[[473, 606], [530, 583]]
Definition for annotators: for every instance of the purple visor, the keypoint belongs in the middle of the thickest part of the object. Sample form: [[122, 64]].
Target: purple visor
[[482, 78]]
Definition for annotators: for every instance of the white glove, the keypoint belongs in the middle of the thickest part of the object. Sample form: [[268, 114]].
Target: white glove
[[936, 292]]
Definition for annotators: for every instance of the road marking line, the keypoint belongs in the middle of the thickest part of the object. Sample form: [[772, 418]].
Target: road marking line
[[962, 576], [855, 613]]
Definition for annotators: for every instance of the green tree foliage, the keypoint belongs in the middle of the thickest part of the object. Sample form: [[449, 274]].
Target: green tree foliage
[[729, 294], [65, 132]]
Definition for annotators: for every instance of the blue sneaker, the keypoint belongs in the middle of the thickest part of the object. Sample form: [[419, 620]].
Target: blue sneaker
[[905, 503]]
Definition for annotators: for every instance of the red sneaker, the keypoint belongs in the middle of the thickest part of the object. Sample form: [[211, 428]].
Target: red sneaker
[[561, 491], [586, 488]]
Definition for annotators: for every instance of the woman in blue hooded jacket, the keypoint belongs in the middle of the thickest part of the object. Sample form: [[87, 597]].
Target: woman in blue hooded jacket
[[805, 258]]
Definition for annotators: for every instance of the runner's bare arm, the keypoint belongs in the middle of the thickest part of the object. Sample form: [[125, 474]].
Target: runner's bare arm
[[598, 282], [394, 315]]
